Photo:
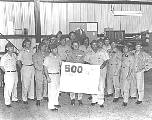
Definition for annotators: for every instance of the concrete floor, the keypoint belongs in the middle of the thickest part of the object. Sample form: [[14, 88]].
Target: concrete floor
[[111, 111]]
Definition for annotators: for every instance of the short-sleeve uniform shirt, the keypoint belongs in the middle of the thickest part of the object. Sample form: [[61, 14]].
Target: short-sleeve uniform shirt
[[26, 56], [76, 56], [62, 50], [52, 63], [97, 58], [9, 62]]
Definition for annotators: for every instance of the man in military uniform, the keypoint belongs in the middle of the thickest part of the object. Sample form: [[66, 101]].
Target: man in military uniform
[[52, 71], [63, 48], [72, 37], [8, 65], [38, 60], [114, 72], [143, 62], [98, 57], [25, 61], [75, 56], [85, 47], [107, 45], [127, 78]]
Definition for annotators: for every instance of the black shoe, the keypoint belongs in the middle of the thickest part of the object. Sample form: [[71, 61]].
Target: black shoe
[[25, 102], [121, 97], [73, 102], [132, 97], [8, 106], [90, 98], [38, 102], [57, 106], [80, 102], [93, 104], [115, 99], [55, 109], [109, 95], [138, 102], [124, 104], [59, 94], [31, 99], [101, 106], [45, 98], [16, 101]]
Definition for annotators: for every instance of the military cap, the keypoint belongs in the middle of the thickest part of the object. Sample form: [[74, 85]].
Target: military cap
[[138, 43], [106, 38], [59, 32], [9, 44], [93, 41]]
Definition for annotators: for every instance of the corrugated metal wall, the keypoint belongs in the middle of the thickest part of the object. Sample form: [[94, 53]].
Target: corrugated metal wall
[[56, 16]]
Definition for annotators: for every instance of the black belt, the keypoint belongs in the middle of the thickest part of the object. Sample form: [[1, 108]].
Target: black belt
[[10, 71], [54, 73], [29, 65]]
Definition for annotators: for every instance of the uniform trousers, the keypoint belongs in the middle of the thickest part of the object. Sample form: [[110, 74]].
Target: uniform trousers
[[40, 81], [128, 84], [10, 88], [53, 90], [27, 78], [113, 81], [140, 84], [73, 96], [99, 98], [45, 87]]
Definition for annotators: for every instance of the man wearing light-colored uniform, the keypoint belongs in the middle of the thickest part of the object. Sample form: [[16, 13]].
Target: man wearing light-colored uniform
[[143, 62], [127, 77], [114, 72], [85, 47], [98, 57], [63, 48], [8, 65], [38, 59], [52, 65], [75, 56], [25, 61], [107, 46]]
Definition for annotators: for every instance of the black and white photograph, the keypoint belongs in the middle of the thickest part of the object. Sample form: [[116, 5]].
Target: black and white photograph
[[75, 59]]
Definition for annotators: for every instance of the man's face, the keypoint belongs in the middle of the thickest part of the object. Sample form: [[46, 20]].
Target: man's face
[[75, 46], [94, 46], [10, 49], [28, 45], [86, 42], [55, 50], [106, 42], [72, 36], [63, 42], [113, 45], [125, 49], [100, 44], [138, 47], [59, 35], [43, 48]]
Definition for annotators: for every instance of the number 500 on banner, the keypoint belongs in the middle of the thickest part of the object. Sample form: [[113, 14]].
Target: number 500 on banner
[[73, 68]]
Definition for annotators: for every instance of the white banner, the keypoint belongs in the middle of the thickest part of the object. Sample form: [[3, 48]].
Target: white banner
[[79, 78]]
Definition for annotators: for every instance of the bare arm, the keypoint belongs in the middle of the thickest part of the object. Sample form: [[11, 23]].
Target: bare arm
[[46, 74], [104, 64], [19, 63]]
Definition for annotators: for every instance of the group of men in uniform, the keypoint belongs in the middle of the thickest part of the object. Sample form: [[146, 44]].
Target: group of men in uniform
[[121, 73]]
